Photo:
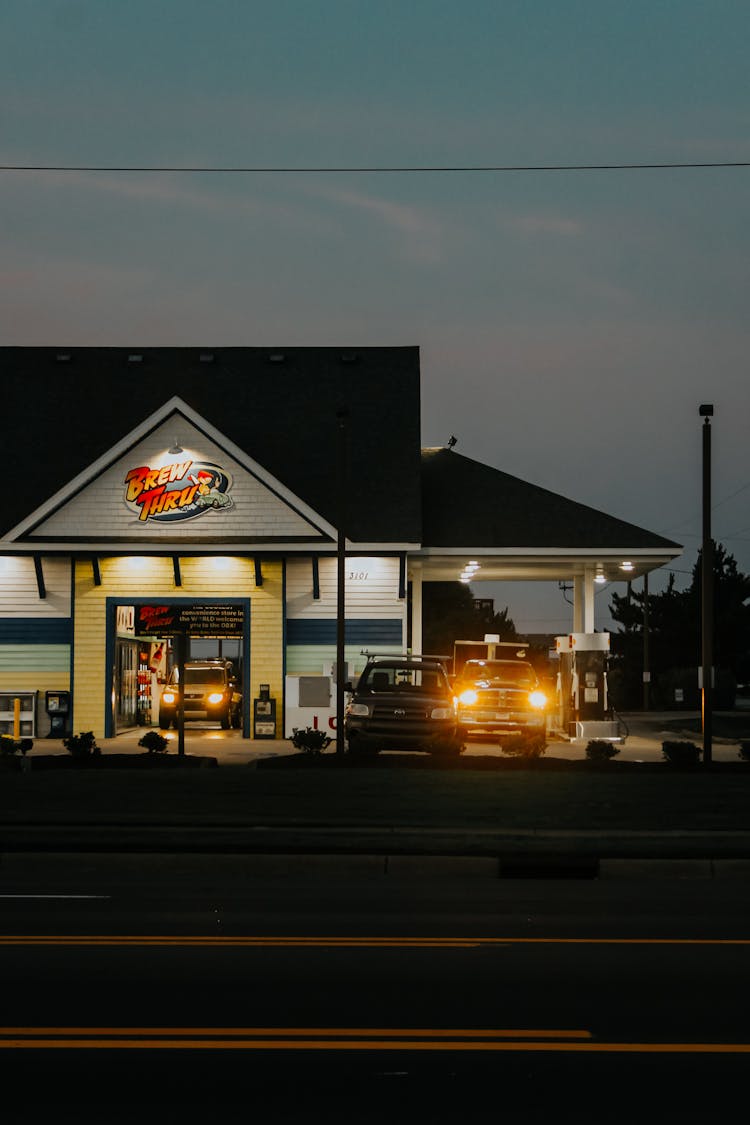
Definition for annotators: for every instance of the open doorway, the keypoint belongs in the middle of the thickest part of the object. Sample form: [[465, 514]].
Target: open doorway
[[144, 660]]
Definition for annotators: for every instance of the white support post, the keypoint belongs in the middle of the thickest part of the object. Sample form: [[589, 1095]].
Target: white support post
[[588, 601], [415, 576], [578, 614]]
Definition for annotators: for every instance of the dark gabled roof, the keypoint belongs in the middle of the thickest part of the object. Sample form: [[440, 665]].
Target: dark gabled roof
[[279, 405], [468, 504]]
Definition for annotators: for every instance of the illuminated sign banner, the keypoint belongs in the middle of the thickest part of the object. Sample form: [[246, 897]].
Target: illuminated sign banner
[[178, 491], [196, 619]]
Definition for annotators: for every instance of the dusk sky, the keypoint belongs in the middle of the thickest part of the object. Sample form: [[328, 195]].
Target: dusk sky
[[570, 322]]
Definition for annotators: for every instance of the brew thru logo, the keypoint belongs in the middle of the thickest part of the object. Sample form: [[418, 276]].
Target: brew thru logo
[[178, 491]]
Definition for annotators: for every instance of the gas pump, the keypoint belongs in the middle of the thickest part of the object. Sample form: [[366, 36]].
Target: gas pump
[[584, 710]]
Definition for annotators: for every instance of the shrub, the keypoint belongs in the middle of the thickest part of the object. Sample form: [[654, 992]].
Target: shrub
[[683, 754], [600, 751], [154, 742], [81, 745], [310, 741], [524, 745], [11, 745]]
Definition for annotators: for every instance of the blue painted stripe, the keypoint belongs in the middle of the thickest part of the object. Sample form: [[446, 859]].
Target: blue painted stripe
[[36, 631], [359, 631]]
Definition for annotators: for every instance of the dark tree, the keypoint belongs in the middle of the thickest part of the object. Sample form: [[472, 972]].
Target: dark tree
[[675, 635], [449, 614]]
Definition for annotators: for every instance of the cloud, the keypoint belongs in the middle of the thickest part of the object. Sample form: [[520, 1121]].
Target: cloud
[[546, 223], [220, 196], [422, 232]]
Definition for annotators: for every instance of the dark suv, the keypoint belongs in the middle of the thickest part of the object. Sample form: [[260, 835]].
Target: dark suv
[[402, 703], [210, 693]]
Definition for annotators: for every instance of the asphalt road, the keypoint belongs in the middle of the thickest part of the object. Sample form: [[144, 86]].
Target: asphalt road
[[240, 987], [171, 988]]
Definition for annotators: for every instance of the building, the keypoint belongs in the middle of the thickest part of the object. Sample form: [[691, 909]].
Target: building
[[165, 489]]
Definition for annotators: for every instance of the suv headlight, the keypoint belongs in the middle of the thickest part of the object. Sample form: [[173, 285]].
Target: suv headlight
[[538, 700], [216, 697], [442, 713], [168, 697], [359, 710]]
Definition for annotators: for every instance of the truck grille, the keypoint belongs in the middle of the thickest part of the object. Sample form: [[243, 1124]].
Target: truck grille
[[501, 699], [406, 709]]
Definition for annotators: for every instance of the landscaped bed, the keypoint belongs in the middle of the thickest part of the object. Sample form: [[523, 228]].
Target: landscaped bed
[[93, 762]]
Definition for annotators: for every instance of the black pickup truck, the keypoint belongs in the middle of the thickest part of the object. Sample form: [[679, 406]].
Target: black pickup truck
[[402, 703]]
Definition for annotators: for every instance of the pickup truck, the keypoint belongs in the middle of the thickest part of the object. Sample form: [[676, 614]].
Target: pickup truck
[[501, 696]]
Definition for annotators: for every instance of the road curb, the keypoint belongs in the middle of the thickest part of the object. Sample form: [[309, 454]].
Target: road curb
[[423, 856]]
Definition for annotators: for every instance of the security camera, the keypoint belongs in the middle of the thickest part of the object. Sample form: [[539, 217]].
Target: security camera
[[706, 410]]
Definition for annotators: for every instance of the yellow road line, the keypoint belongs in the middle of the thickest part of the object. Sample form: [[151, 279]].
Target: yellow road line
[[376, 1045]]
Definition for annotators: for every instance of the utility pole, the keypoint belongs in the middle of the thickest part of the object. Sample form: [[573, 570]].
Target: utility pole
[[342, 425], [646, 652], [707, 593]]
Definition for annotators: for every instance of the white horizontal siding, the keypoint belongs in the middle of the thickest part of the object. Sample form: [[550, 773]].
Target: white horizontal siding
[[19, 595], [318, 660], [26, 659], [371, 588]]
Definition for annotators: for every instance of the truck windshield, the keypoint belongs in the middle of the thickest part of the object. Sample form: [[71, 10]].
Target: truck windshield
[[499, 672], [199, 676], [397, 677]]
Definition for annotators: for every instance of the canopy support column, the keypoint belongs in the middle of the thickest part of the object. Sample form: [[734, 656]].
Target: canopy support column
[[583, 602], [416, 608]]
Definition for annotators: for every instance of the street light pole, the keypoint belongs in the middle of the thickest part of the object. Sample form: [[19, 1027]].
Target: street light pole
[[646, 648], [341, 428], [707, 594]]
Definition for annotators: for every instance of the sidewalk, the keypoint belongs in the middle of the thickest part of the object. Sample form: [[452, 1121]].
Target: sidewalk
[[556, 820], [647, 731]]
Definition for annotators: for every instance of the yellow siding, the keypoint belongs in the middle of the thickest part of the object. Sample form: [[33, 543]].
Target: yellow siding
[[126, 578], [34, 681]]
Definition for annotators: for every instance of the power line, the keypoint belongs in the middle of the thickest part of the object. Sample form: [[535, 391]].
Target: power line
[[724, 500], [362, 169]]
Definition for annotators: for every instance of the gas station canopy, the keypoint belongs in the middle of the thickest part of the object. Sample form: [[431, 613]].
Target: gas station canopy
[[504, 529]]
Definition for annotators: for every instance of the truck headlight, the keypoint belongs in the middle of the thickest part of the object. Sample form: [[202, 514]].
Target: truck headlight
[[538, 700], [360, 710], [442, 713], [468, 697]]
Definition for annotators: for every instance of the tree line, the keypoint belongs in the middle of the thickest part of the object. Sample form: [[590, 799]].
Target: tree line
[[673, 627]]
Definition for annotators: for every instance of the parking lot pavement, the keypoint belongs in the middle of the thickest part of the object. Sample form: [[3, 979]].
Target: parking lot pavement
[[643, 742]]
